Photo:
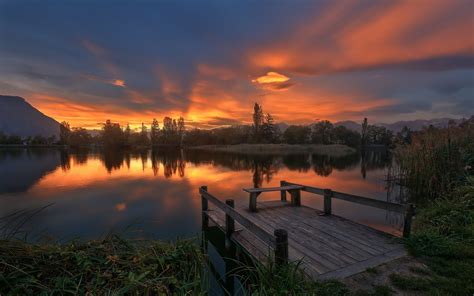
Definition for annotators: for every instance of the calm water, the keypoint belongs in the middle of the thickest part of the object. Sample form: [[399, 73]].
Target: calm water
[[155, 195]]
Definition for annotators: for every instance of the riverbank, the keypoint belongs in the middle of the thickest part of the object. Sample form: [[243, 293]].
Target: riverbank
[[111, 266], [335, 150], [116, 266]]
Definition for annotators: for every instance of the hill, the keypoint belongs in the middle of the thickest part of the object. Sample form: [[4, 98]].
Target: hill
[[18, 117]]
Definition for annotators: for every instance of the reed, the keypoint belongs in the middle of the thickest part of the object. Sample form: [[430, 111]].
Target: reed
[[436, 161]]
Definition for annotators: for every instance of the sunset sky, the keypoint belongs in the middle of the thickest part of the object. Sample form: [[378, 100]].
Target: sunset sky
[[209, 61]]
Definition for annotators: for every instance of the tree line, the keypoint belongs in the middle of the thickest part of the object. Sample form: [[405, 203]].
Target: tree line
[[264, 131], [114, 135], [173, 132]]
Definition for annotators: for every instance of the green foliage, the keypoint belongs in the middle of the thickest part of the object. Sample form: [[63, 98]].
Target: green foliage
[[268, 279], [444, 239], [110, 267]]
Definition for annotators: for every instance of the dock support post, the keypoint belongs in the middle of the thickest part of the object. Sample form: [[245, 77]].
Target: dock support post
[[281, 248], [283, 192], [229, 221], [327, 201], [295, 197], [407, 221], [205, 207], [253, 202]]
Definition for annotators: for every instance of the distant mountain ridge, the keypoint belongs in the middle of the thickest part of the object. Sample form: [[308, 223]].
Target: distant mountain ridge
[[414, 125], [18, 117]]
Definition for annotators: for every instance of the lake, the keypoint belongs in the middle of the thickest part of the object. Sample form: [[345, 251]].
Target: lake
[[146, 194]]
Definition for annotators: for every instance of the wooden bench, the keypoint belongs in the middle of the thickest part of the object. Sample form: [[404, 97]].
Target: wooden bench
[[294, 190]]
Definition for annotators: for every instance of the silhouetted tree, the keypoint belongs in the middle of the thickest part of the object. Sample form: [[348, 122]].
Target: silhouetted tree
[[269, 131], [364, 131], [180, 129], [64, 132], [322, 133], [127, 133], [154, 132], [297, 134], [112, 134], [258, 120], [79, 137]]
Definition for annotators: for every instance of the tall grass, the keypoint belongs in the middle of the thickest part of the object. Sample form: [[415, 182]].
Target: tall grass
[[113, 266], [436, 161], [437, 171], [288, 279]]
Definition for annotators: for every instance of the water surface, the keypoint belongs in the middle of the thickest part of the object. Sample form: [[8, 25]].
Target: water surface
[[155, 194]]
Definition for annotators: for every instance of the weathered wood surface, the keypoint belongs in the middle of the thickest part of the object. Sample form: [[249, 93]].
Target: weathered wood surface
[[269, 189], [329, 247], [381, 204]]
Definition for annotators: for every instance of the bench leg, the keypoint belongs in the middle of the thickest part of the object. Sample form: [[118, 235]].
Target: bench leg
[[253, 202]]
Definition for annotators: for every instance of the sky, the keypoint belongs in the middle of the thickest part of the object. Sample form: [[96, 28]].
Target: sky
[[210, 61]]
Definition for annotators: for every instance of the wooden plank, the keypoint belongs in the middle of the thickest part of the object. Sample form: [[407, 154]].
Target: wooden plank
[[348, 226], [245, 222], [346, 233], [309, 243], [303, 248], [269, 189], [325, 243], [316, 235], [338, 231], [362, 266]]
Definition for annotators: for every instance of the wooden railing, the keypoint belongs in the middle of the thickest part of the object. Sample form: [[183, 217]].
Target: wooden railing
[[408, 210], [278, 241]]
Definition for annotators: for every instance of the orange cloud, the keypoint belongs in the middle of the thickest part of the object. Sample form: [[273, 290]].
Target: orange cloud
[[383, 34], [271, 77], [119, 82]]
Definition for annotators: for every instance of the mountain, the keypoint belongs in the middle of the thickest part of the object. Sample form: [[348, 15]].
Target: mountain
[[416, 125], [18, 117], [354, 126]]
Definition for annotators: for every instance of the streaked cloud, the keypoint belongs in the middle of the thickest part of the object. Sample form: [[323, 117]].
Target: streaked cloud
[[303, 61]]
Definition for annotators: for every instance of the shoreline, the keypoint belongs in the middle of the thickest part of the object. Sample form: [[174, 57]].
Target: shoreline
[[335, 150]]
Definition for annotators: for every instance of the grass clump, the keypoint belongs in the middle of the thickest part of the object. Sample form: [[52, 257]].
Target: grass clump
[[444, 240], [109, 267], [289, 279]]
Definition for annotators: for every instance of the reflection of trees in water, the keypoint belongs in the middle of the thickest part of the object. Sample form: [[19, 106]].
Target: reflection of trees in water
[[373, 159], [172, 160], [112, 159], [65, 160], [297, 162], [263, 167], [323, 165]]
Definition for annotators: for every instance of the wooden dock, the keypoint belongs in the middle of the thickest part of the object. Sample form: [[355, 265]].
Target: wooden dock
[[327, 246]]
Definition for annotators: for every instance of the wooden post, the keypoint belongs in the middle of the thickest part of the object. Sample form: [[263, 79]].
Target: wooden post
[[407, 222], [281, 248], [205, 207], [253, 202], [327, 201], [283, 192], [229, 221], [295, 197]]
